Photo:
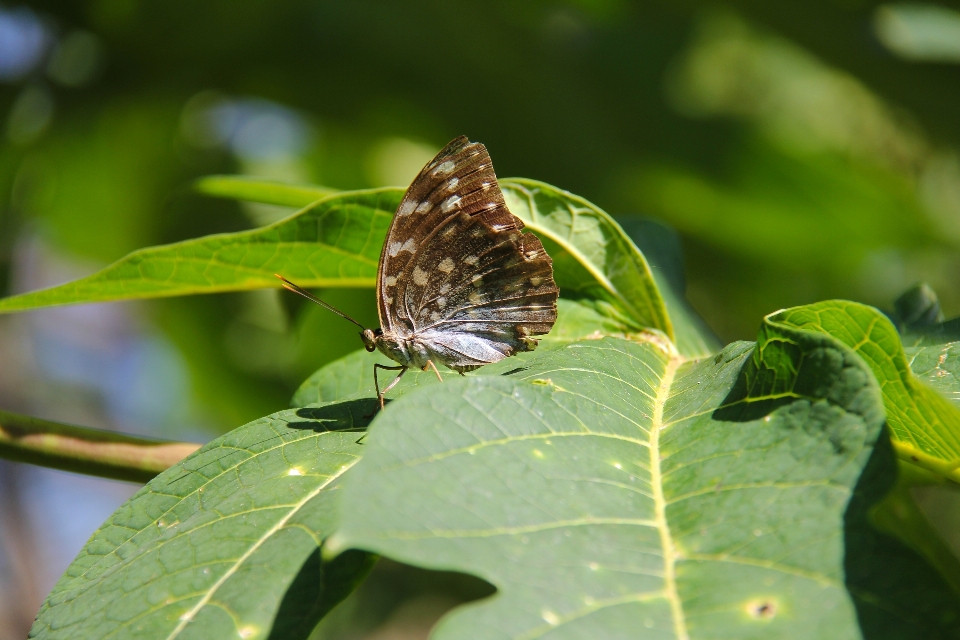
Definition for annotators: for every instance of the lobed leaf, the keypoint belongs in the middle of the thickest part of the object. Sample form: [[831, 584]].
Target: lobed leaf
[[225, 544], [924, 424], [612, 489]]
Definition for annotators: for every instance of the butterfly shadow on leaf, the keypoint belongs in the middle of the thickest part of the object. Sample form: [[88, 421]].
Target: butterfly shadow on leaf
[[349, 415]]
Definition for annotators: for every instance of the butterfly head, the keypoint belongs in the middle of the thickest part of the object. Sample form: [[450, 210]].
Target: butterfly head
[[369, 337]]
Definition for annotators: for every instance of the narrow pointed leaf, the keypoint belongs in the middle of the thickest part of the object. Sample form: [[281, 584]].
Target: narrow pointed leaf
[[335, 242], [261, 190], [611, 489], [225, 544], [925, 426]]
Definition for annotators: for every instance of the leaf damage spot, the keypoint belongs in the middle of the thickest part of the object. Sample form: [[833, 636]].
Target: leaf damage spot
[[762, 609]]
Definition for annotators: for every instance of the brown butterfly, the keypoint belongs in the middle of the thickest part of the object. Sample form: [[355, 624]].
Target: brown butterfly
[[458, 283]]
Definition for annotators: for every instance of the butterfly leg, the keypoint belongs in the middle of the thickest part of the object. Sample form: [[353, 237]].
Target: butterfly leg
[[434, 367], [402, 369]]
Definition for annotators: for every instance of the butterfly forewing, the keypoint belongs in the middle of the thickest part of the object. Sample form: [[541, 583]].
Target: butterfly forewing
[[456, 271]]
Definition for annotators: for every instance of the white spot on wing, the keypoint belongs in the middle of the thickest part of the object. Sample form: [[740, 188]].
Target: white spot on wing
[[390, 281], [393, 249], [409, 246], [476, 298], [454, 181], [407, 208], [446, 265], [470, 259], [449, 204], [423, 207], [443, 168], [477, 280], [419, 277], [536, 280], [441, 302], [445, 287]]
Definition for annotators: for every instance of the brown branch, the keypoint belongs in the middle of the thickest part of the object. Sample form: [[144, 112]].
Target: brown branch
[[89, 451]]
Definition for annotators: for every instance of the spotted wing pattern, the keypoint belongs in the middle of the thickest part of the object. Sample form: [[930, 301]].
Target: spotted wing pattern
[[457, 273]]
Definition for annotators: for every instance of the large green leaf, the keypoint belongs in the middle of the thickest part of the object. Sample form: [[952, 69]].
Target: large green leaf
[[225, 544], [592, 257], [924, 424], [611, 489]]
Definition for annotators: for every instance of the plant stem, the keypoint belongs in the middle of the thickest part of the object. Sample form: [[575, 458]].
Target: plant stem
[[89, 451]]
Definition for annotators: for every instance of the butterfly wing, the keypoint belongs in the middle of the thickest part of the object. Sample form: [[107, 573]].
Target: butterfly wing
[[457, 272]]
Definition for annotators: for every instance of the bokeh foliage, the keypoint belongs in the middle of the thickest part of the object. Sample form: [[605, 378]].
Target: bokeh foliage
[[605, 98]]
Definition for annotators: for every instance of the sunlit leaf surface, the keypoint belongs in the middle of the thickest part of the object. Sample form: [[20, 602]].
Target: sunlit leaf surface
[[612, 489]]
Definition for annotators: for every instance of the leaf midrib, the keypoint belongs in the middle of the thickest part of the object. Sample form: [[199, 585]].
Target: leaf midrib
[[188, 617], [660, 502]]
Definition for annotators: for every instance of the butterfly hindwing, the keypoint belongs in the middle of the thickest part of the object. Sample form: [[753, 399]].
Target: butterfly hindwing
[[456, 270]]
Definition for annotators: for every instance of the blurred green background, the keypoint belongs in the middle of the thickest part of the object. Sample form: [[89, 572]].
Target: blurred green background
[[802, 150]]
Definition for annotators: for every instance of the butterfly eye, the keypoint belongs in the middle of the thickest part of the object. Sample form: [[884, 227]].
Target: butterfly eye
[[369, 340]]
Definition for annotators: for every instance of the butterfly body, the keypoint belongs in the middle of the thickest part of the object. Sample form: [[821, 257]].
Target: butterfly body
[[459, 283]]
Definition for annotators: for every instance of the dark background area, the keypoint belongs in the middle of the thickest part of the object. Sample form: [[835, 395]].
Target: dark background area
[[802, 150]]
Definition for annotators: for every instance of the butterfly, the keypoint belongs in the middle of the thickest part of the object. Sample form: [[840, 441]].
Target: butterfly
[[458, 283]]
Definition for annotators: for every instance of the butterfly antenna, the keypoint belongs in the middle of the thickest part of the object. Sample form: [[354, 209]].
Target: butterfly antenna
[[289, 286]]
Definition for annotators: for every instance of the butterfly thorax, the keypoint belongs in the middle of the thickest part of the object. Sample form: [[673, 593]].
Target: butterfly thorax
[[400, 349]]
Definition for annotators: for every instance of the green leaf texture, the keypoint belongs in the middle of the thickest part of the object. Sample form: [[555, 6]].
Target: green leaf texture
[[592, 257], [924, 424], [611, 489], [225, 544], [334, 243]]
